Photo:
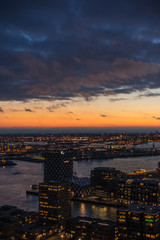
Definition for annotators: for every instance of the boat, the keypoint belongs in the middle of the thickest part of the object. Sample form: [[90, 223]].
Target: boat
[[34, 189]]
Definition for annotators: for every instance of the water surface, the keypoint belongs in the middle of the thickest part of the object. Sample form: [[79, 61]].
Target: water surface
[[15, 180]]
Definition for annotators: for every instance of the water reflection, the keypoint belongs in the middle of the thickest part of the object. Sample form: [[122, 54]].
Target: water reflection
[[83, 209], [89, 210]]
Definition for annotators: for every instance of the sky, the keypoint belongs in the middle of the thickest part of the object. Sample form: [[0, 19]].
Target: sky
[[79, 63]]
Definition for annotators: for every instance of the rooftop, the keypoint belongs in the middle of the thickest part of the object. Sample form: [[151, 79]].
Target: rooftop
[[94, 222], [136, 208]]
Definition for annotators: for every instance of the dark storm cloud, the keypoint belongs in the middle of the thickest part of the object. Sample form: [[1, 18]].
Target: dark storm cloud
[[28, 110], [69, 113], [57, 106], [1, 110], [15, 110], [50, 109], [38, 107], [117, 99], [150, 94], [64, 49], [158, 118]]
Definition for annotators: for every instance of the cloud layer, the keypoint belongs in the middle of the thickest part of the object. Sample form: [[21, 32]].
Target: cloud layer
[[61, 50]]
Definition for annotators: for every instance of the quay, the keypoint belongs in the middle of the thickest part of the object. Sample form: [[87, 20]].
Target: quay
[[89, 200]]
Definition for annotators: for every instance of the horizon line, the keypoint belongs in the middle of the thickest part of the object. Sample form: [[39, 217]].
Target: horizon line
[[70, 130]]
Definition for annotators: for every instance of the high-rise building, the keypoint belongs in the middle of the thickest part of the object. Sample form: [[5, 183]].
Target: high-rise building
[[138, 222], [104, 182], [58, 165], [55, 202], [146, 191]]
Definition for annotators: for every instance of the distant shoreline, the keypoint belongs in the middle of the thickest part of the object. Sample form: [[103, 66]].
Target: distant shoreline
[[78, 130], [23, 159], [110, 156]]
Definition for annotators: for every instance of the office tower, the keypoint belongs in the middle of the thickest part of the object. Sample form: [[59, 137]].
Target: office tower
[[89, 228], [138, 222], [54, 202], [58, 165], [144, 191], [104, 182]]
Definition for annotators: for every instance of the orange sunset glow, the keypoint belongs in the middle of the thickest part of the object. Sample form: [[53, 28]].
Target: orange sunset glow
[[129, 111]]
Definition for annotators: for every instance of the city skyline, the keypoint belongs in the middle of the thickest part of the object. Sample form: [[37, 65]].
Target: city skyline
[[79, 64]]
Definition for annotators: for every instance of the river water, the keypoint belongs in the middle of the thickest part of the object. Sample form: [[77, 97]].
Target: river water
[[15, 180]]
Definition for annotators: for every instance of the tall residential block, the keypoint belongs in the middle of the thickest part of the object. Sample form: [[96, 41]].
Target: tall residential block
[[58, 165], [55, 202]]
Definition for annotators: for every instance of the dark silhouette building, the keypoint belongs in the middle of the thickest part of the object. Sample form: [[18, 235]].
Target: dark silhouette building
[[104, 182], [12, 218], [58, 165], [89, 228]]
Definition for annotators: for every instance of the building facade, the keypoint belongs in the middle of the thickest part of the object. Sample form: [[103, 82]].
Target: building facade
[[138, 222], [80, 228], [80, 187], [146, 191], [104, 182], [55, 202], [58, 165]]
